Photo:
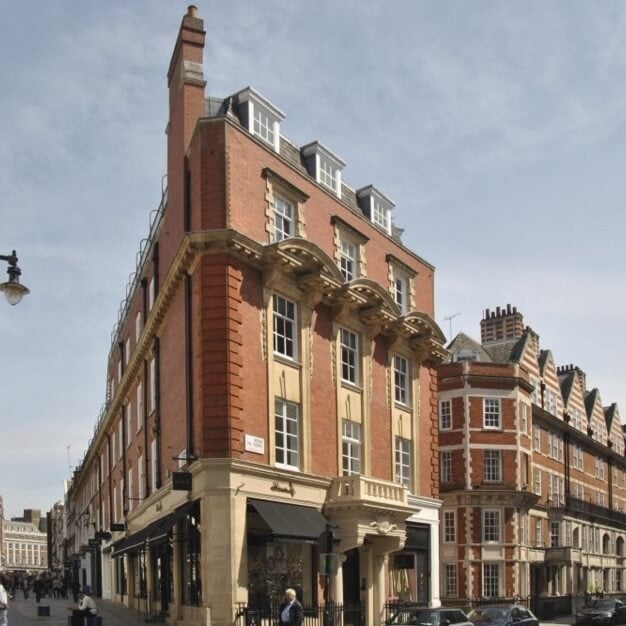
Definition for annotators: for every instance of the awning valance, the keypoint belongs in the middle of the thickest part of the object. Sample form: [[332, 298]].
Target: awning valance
[[288, 521], [153, 533]]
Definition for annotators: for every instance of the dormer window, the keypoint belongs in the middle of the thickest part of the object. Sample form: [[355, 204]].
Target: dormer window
[[260, 117], [324, 166], [376, 206]]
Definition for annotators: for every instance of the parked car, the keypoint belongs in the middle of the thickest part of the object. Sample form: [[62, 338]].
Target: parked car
[[426, 616], [503, 615], [602, 612]]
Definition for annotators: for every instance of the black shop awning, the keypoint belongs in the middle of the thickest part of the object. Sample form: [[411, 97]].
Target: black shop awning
[[153, 533], [161, 532], [286, 521]]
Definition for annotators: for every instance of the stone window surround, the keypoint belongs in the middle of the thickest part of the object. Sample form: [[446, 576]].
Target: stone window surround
[[276, 184]]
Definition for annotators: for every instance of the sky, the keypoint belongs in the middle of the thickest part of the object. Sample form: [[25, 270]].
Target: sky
[[497, 127]]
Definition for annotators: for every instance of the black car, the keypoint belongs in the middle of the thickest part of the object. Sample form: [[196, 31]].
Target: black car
[[503, 615], [426, 616], [602, 612]]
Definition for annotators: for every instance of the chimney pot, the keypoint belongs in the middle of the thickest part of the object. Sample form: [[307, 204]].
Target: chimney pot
[[498, 311], [514, 309], [487, 314], [508, 309], [192, 10]]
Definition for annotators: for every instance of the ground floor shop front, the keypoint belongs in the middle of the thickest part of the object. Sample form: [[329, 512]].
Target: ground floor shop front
[[231, 545]]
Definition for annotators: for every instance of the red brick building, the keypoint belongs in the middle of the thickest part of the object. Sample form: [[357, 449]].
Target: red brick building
[[532, 473], [277, 347]]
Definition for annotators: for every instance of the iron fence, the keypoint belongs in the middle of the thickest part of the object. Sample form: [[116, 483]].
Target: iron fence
[[329, 614]]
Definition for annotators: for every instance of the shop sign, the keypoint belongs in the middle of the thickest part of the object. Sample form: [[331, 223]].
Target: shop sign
[[181, 481]]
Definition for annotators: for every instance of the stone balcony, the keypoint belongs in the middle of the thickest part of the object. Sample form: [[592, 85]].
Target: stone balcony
[[563, 555], [364, 506]]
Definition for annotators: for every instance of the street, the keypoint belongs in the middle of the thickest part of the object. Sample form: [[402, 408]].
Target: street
[[24, 612]]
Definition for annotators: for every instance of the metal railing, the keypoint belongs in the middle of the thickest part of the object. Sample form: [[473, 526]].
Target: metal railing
[[329, 614]]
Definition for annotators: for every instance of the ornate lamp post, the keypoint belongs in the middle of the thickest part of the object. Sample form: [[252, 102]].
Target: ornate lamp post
[[13, 290]]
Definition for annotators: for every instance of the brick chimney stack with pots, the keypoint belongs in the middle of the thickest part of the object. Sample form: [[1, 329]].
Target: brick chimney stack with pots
[[503, 324]]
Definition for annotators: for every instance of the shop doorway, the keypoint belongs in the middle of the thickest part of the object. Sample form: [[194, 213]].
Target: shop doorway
[[162, 576], [351, 578]]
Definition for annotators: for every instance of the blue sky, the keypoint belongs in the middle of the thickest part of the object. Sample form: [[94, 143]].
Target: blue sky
[[498, 128]]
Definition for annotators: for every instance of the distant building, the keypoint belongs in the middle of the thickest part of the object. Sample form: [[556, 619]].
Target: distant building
[[532, 473], [56, 536], [24, 543]]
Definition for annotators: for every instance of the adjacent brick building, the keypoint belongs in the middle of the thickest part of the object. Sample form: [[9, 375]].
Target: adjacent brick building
[[276, 345], [532, 472]]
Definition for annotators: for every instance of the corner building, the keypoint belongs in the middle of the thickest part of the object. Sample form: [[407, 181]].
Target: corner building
[[277, 346], [532, 474]]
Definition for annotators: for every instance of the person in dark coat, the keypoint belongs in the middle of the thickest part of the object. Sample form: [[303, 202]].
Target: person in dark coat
[[290, 610]]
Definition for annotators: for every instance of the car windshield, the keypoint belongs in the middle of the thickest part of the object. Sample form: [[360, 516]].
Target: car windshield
[[423, 617], [489, 614], [603, 604]]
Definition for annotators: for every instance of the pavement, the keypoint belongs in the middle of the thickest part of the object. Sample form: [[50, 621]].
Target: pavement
[[563, 620], [24, 612]]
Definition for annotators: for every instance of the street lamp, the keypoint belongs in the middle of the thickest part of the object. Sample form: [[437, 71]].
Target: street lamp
[[13, 290]]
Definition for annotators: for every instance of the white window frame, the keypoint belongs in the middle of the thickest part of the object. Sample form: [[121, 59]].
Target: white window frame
[[287, 430], [451, 577], [401, 290], [403, 464], [401, 380], [449, 527], [349, 356], [578, 456], [599, 468], [285, 321], [494, 518], [284, 218], [348, 258], [445, 466], [328, 173], [537, 438], [152, 375], [153, 464], [492, 414], [151, 293], [137, 326], [537, 481], [131, 501], [445, 415], [129, 422], [381, 214], [492, 572], [141, 478], [127, 351], [263, 125], [139, 395], [523, 418], [351, 447], [493, 466]]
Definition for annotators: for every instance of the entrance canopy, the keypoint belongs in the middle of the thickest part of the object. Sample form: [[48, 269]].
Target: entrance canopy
[[285, 521]]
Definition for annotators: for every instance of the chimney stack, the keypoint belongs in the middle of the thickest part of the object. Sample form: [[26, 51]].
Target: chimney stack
[[505, 324]]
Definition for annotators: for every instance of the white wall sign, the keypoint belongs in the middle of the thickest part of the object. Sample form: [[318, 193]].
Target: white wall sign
[[255, 444]]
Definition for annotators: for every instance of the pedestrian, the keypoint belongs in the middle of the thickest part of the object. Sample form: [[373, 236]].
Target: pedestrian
[[75, 589], [290, 610], [25, 587], [4, 600], [38, 588], [86, 606]]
